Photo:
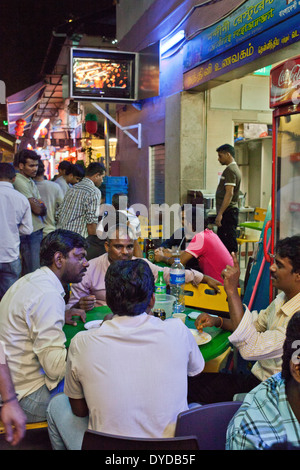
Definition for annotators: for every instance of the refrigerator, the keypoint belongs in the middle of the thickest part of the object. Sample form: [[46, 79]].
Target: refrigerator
[[283, 216]]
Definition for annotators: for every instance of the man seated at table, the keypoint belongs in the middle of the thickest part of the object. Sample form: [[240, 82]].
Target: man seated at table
[[270, 413], [32, 315], [128, 376], [205, 246], [258, 336], [90, 292]]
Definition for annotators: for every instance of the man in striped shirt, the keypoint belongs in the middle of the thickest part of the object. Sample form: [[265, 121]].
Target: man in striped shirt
[[270, 414], [79, 210], [257, 336]]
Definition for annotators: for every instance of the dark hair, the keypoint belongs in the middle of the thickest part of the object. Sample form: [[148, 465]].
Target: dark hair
[[41, 168], [291, 344], [59, 240], [75, 170], [25, 154], [95, 167], [226, 148], [289, 247], [115, 200], [194, 214], [7, 171], [129, 287], [64, 165]]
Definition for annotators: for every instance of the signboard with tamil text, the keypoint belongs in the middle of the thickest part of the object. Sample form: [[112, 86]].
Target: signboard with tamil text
[[252, 31]]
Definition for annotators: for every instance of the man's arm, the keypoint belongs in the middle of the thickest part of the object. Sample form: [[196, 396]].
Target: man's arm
[[91, 229], [79, 407], [226, 201], [25, 226], [231, 276], [12, 415]]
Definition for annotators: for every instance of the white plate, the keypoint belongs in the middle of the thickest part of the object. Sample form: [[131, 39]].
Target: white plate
[[93, 324], [193, 315], [201, 338]]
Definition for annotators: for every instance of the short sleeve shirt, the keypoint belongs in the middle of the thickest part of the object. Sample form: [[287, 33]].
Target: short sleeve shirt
[[29, 189], [231, 176]]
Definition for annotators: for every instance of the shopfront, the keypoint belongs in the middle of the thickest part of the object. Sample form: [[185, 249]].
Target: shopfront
[[214, 89]]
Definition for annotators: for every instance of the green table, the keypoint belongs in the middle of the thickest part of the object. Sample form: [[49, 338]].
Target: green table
[[214, 348], [255, 225]]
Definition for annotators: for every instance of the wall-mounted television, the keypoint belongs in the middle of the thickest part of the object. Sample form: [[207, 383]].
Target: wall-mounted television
[[107, 75]]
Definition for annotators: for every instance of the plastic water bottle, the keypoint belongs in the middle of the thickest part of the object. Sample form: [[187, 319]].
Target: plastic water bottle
[[177, 281]]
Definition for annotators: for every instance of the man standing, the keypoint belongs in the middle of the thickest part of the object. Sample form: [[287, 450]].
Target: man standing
[[51, 195], [259, 336], [72, 175], [28, 162], [227, 197], [79, 211], [130, 375], [16, 220], [32, 315]]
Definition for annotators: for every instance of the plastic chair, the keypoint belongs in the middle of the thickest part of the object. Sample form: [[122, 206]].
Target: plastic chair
[[93, 440], [205, 298], [259, 216], [208, 422]]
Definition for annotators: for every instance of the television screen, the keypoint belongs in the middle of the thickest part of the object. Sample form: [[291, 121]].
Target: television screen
[[103, 75]]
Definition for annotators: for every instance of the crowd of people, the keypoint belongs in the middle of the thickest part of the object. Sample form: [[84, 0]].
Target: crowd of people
[[111, 378]]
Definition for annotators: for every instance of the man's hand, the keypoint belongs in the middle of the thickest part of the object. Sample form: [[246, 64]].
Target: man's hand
[[204, 320], [87, 302], [14, 420], [231, 275], [218, 220], [211, 282], [74, 312]]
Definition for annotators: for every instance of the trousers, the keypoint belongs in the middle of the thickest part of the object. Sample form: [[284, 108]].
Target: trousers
[[217, 387], [227, 231]]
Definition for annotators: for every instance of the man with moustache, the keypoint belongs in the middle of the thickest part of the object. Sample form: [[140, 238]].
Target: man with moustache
[[32, 315], [258, 336], [28, 162]]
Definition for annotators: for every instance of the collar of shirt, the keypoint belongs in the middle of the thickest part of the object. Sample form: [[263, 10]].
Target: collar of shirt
[[291, 306], [232, 163], [6, 184], [55, 279]]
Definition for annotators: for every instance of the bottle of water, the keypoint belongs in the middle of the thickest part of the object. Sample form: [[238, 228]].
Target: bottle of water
[[177, 281]]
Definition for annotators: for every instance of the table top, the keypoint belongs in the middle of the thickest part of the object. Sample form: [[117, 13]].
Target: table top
[[255, 225], [214, 348]]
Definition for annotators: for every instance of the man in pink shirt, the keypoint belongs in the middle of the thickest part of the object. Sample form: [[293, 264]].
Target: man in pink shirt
[[205, 246]]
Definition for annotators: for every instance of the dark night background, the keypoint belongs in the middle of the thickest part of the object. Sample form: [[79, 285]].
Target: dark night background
[[25, 33]]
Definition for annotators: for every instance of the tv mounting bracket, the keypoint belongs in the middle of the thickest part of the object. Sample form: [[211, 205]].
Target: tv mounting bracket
[[137, 140]]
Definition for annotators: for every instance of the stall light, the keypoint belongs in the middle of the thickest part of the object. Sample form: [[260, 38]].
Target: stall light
[[167, 44], [41, 126]]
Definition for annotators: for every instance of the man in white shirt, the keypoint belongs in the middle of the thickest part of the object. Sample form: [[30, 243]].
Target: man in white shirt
[[32, 315], [129, 375], [119, 245], [16, 220], [259, 336]]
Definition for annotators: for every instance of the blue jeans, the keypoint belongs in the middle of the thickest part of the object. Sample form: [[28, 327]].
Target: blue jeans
[[66, 430], [9, 273], [30, 251], [35, 404]]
